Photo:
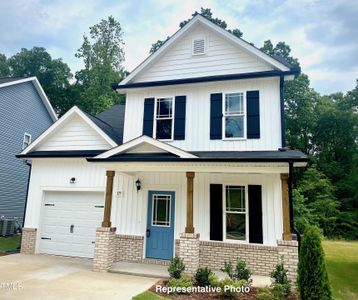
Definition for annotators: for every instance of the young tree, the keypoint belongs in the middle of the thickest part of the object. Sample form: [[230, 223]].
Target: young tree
[[4, 67], [312, 274], [102, 54], [205, 12]]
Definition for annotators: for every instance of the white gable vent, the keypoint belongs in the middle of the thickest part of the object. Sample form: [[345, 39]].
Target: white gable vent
[[199, 46]]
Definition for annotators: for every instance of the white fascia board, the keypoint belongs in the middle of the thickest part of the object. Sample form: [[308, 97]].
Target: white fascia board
[[146, 139], [62, 120], [198, 18], [40, 91]]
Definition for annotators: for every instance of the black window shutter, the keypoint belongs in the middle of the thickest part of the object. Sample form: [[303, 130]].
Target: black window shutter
[[179, 118], [253, 114], [216, 116], [255, 214], [148, 116], [216, 213]]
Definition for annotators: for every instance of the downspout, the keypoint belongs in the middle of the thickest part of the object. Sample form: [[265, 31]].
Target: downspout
[[290, 199], [27, 190], [282, 108]]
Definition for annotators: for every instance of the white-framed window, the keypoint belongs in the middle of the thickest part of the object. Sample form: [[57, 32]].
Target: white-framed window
[[161, 210], [234, 116], [164, 119], [26, 140], [235, 213]]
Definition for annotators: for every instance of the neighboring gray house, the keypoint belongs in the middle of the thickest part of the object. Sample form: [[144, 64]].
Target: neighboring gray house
[[25, 112]]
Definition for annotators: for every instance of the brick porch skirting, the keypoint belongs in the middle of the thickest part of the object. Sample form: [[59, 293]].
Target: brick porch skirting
[[129, 247]]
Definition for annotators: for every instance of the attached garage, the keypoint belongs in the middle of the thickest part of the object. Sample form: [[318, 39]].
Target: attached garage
[[69, 222]]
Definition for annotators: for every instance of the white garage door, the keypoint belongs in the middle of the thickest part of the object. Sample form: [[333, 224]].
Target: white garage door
[[69, 222]]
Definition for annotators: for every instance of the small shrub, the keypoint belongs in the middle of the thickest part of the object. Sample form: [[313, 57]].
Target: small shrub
[[241, 272], [183, 282], [229, 287], [176, 267], [279, 276], [312, 274], [202, 276], [274, 293], [214, 280]]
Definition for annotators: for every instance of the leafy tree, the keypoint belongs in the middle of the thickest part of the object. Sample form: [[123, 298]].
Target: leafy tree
[[102, 54], [312, 274], [4, 67], [205, 12]]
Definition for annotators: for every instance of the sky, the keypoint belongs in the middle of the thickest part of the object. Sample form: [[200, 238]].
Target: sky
[[323, 35]]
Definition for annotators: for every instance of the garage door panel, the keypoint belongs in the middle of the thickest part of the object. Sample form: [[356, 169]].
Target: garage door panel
[[83, 210]]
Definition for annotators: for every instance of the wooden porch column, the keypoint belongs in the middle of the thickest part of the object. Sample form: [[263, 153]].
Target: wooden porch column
[[189, 202], [108, 203], [286, 235]]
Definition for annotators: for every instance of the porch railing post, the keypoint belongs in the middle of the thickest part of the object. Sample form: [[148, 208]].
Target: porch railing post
[[108, 202], [189, 202], [286, 235]]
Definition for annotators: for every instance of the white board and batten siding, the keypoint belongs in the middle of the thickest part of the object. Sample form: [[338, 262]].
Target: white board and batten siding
[[221, 57], [75, 134], [197, 135]]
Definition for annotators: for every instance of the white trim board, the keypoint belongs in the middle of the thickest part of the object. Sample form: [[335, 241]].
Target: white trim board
[[200, 19], [146, 140], [73, 111], [40, 91]]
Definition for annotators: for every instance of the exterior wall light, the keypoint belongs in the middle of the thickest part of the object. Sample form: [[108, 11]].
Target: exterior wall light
[[73, 180], [138, 185]]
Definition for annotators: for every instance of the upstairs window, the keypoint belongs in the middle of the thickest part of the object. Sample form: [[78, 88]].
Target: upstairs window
[[234, 116], [164, 113], [26, 140]]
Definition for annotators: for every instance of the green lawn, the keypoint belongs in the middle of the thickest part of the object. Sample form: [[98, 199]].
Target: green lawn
[[147, 295], [9, 243], [342, 266]]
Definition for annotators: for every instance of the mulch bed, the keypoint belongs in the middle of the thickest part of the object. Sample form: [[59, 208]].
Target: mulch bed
[[194, 296]]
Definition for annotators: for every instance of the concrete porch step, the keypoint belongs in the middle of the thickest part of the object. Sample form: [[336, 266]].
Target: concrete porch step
[[140, 269]]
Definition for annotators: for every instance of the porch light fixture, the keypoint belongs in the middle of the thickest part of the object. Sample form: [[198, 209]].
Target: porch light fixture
[[138, 185], [73, 180]]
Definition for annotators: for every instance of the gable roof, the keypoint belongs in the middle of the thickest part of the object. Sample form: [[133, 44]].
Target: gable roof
[[103, 129], [277, 64], [155, 145], [114, 117], [8, 81]]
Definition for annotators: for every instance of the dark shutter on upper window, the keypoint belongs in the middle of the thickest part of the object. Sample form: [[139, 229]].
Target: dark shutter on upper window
[[255, 214], [148, 116], [179, 118], [216, 114], [253, 114], [216, 212]]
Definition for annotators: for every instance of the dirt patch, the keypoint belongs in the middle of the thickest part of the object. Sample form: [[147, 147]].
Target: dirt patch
[[211, 295]]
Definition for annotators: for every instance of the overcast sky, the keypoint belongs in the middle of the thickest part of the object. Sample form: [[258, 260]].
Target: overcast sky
[[322, 34]]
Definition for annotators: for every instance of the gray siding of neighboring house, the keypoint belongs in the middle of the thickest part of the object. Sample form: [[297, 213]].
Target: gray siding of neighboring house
[[21, 110]]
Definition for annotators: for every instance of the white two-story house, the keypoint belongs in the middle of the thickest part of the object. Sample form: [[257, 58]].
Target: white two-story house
[[193, 165]]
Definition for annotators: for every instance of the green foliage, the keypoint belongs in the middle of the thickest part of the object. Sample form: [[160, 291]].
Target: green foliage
[[213, 280], [241, 272], [276, 292], [312, 274], [205, 12], [184, 281], [176, 267], [102, 54], [226, 283], [4, 66], [280, 279], [202, 276]]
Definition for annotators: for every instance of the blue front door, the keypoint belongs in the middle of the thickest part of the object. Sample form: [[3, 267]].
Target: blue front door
[[160, 225]]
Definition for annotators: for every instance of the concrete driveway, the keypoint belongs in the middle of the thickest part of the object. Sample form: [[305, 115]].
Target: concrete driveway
[[55, 277]]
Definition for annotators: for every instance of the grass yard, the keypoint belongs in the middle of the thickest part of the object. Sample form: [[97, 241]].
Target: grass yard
[[9, 244], [148, 295], [342, 266]]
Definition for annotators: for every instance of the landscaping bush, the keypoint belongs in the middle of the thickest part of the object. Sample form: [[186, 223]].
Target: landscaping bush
[[214, 280], [277, 292], [279, 277], [241, 272], [183, 282], [176, 267], [312, 274], [227, 282], [202, 276]]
